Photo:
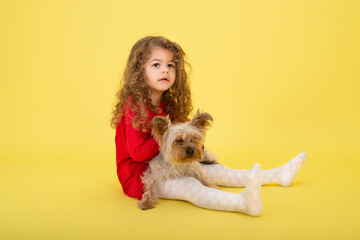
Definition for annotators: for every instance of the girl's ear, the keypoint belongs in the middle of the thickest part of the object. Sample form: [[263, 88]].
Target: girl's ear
[[202, 120], [159, 125]]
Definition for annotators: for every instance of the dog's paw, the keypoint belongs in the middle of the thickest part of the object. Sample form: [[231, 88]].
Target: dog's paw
[[146, 203], [208, 183], [209, 158], [213, 186]]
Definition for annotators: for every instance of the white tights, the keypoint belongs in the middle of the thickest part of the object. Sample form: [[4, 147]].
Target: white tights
[[249, 201]]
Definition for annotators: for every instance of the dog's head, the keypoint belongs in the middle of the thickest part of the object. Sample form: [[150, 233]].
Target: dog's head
[[181, 142]]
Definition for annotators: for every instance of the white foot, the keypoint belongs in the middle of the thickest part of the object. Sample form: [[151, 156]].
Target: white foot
[[252, 204], [288, 171]]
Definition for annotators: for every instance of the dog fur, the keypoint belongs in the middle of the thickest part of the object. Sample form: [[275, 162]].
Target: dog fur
[[181, 152]]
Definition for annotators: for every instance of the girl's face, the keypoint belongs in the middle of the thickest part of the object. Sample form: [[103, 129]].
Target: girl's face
[[159, 70]]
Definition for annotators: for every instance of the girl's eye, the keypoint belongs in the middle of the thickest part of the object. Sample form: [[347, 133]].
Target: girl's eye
[[156, 65], [171, 66]]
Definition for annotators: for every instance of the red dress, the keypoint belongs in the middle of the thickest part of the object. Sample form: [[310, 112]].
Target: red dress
[[134, 150]]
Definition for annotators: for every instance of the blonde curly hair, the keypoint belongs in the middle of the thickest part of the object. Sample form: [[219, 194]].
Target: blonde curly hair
[[177, 99]]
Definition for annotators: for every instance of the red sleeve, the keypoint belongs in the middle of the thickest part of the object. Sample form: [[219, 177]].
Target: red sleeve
[[141, 146]]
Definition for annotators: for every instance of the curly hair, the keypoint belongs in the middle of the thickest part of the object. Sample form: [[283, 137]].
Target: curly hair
[[177, 99]]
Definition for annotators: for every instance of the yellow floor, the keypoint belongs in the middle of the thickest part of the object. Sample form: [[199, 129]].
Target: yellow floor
[[78, 197]]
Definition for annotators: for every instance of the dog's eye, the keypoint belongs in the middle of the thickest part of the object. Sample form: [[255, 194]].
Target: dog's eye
[[192, 140], [179, 140]]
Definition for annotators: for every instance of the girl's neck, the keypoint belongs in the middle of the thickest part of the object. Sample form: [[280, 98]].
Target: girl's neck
[[156, 98]]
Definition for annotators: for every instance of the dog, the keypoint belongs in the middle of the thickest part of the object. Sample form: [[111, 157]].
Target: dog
[[181, 155]]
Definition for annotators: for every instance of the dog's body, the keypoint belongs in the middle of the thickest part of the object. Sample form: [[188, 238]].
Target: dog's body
[[180, 155]]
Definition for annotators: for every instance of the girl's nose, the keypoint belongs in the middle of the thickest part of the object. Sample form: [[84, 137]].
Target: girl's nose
[[165, 70]]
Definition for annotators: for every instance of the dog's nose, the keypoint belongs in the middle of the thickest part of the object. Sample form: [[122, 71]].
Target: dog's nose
[[190, 151]]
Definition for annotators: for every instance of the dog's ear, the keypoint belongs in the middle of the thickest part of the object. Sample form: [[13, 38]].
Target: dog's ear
[[202, 120], [159, 125]]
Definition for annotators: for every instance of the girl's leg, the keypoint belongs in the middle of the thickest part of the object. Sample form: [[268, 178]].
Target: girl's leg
[[284, 175], [190, 189]]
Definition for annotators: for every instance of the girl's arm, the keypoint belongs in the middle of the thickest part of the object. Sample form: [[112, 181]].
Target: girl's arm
[[141, 146]]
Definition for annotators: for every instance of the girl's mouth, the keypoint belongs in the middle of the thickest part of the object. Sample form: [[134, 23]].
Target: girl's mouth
[[164, 79]]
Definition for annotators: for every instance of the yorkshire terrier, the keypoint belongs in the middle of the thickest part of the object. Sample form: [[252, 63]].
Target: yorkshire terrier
[[181, 151]]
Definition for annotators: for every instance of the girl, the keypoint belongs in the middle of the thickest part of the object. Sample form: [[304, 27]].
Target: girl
[[155, 84]]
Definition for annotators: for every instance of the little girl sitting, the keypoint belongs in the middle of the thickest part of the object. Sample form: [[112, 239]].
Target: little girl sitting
[[155, 84]]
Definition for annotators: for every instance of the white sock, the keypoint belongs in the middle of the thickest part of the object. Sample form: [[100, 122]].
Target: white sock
[[283, 175], [190, 189]]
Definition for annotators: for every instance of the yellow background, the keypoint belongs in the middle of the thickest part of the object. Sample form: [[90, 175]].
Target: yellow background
[[279, 78]]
